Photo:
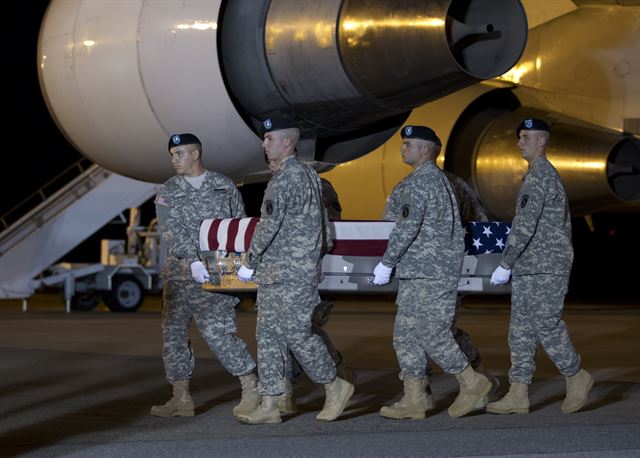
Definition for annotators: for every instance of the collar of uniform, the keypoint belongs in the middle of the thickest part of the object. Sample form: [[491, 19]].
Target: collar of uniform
[[185, 186], [287, 161], [539, 162], [426, 166]]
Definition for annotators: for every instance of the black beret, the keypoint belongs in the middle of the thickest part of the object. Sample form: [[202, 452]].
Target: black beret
[[183, 139], [278, 123], [422, 132], [532, 124]]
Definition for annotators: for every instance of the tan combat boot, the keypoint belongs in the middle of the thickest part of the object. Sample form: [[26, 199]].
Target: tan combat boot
[[578, 387], [180, 404], [495, 384], [473, 387], [515, 401], [287, 400], [267, 412], [413, 404], [429, 403], [250, 399], [338, 394]]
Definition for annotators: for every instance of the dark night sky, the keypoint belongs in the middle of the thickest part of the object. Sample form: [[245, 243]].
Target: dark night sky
[[41, 152]]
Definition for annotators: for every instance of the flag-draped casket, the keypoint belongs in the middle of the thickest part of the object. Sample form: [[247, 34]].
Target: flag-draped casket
[[357, 247]]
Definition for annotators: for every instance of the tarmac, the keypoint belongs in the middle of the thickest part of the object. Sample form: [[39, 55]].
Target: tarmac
[[81, 385]]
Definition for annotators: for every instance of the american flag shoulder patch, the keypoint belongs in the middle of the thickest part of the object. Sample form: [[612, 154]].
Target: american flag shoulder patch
[[161, 201]]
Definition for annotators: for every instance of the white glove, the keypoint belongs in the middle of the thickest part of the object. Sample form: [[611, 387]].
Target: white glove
[[199, 272], [245, 274], [500, 276], [382, 273]]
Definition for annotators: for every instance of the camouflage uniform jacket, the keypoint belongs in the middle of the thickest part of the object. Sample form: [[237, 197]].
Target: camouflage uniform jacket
[[181, 208], [471, 209], [392, 206], [427, 240], [288, 241], [331, 201], [540, 237]]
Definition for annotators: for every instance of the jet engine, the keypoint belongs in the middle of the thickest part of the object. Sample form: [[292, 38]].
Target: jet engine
[[120, 77], [600, 168]]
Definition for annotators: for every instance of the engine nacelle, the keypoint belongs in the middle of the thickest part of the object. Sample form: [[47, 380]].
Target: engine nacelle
[[600, 168], [120, 77]]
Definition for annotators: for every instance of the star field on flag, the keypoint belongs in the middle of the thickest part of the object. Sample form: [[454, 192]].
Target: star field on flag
[[482, 238]]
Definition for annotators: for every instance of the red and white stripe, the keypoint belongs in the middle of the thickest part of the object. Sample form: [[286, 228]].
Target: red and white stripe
[[361, 238], [230, 234], [352, 238]]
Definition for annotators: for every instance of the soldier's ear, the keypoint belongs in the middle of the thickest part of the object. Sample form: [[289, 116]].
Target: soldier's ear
[[543, 139]]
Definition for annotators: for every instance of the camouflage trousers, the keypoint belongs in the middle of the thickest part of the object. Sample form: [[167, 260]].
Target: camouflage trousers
[[215, 317], [284, 325], [320, 318], [536, 308], [426, 310], [463, 339]]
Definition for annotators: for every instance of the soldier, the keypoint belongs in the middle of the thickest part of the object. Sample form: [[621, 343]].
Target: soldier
[[540, 253], [427, 248], [181, 203], [285, 254], [319, 319], [471, 209]]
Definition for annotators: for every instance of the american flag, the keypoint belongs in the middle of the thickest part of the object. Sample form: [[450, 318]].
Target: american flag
[[483, 238], [352, 238]]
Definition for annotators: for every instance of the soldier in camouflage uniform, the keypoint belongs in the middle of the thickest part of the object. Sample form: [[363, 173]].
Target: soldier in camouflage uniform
[[427, 248], [285, 254], [540, 253], [319, 319], [471, 209], [321, 314], [181, 204]]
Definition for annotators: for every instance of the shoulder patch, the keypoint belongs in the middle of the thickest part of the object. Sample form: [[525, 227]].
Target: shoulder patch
[[524, 200], [268, 207], [161, 201], [405, 211]]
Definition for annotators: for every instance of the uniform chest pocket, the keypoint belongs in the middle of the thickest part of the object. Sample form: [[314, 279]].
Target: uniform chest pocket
[[218, 204]]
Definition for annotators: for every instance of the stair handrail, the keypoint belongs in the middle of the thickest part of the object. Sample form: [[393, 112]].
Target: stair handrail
[[82, 165], [62, 198]]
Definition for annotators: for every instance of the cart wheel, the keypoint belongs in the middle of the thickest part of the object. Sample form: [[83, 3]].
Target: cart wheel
[[126, 294], [85, 301]]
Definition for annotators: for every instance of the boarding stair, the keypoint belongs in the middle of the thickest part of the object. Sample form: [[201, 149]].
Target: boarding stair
[[63, 220]]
